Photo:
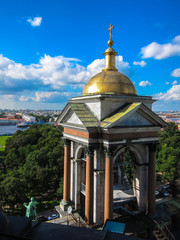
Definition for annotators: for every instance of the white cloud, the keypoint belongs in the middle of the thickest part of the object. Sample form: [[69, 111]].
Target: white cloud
[[49, 77], [174, 82], [43, 96], [162, 51], [176, 73], [144, 83], [35, 22], [172, 94], [24, 99], [141, 63], [46, 96]]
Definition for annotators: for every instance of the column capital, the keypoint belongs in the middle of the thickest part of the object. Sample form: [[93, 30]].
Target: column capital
[[109, 151], [89, 150], [153, 147], [67, 142]]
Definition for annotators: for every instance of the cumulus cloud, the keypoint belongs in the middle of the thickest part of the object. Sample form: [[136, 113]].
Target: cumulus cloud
[[141, 63], [144, 83], [35, 22], [51, 79], [54, 72], [46, 96], [173, 83], [176, 73], [162, 51], [172, 94]]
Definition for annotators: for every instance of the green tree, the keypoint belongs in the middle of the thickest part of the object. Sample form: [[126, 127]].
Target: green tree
[[33, 164], [12, 189], [169, 153]]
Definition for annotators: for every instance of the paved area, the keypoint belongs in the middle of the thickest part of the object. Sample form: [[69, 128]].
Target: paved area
[[68, 220], [47, 213], [120, 194], [63, 218]]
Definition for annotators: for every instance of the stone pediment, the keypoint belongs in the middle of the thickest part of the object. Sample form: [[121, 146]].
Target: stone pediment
[[128, 115], [78, 114], [132, 115]]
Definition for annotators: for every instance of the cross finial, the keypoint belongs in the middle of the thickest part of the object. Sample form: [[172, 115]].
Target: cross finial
[[110, 31]]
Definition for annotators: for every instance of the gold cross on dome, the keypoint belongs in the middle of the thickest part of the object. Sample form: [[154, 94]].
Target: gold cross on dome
[[110, 30]]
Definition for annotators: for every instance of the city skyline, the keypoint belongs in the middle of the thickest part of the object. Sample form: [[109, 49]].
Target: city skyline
[[50, 49]]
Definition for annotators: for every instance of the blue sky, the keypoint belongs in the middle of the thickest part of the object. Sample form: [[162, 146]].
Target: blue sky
[[49, 49]]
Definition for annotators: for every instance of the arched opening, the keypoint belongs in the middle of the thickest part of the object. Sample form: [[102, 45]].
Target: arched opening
[[123, 169], [124, 174]]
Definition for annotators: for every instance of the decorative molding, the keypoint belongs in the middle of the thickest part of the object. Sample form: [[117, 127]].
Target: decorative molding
[[67, 142], [109, 151], [141, 164], [99, 171], [153, 147], [78, 161], [89, 150], [75, 132]]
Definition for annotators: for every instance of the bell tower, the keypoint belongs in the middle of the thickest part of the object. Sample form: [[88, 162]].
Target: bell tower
[[99, 127]]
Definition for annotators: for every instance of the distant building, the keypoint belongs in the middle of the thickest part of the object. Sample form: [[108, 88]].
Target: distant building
[[9, 121], [28, 118]]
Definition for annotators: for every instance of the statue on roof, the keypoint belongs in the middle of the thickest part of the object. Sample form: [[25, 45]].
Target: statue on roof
[[31, 209]]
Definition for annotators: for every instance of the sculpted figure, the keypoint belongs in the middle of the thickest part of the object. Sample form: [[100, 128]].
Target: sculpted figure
[[31, 209]]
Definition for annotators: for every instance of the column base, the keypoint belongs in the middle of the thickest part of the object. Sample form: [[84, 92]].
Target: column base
[[64, 205]]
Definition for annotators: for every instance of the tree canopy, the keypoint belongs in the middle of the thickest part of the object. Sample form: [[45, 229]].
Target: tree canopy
[[33, 164], [168, 157]]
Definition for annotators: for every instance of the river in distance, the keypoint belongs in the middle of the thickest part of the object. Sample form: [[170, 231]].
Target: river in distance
[[6, 130]]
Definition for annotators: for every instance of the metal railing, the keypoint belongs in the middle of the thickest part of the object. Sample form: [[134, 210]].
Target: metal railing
[[162, 229]]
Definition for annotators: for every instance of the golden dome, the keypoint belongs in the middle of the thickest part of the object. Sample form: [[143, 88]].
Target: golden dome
[[110, 81]]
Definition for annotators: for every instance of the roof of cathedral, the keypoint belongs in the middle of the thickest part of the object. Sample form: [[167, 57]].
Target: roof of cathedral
[[110, 81]]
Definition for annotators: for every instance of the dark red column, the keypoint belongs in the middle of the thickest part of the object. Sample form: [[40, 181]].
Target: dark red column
[[89, 186], [67, 158], [108, 195], [152, 179]]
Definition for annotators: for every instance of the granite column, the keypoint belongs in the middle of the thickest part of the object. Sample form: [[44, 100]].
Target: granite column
[[108, 195], [89, 185], [67, 158], [152, 178]]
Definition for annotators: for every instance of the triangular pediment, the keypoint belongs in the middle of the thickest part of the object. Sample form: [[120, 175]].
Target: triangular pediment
[[135, 119], [133, 115], [73, 118], [78, 114]]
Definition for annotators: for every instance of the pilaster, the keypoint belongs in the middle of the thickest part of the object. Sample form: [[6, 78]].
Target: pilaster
[[77, 183], [99, 174]]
